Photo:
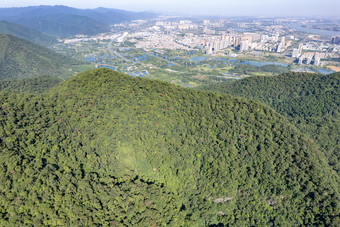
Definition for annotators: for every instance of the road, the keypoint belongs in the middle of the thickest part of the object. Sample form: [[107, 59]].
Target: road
[[116, 53]]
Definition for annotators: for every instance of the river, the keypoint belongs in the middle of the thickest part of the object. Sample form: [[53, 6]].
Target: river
[[298, 27]]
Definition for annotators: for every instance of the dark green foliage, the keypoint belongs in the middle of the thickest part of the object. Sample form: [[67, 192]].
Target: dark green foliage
[[20, 58], [104, 148], [26, 33], [29, 85], [310, 101]]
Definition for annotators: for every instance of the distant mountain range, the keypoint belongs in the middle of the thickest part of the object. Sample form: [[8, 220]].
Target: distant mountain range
[[26, 33], [66, 21], [20, 58]]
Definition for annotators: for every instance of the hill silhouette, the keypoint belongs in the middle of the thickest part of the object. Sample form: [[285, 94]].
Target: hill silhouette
[[66, 21]]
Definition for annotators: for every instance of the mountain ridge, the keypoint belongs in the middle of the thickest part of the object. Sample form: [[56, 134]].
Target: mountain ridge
[[25, 33], [47, 19], [20, 58]]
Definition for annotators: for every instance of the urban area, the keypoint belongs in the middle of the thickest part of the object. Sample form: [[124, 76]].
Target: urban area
[[192, 51]]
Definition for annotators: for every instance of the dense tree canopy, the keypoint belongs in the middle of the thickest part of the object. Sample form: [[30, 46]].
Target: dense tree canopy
[[35, 84], [104, 148], [26, 33], [309, 101], [20, 58]]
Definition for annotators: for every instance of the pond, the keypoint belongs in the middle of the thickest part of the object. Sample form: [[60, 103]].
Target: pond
[[141, 58], [125, 49], [324, 71], [136, 74], [255, 63], [192, 52], [197, 59], [89, 59]]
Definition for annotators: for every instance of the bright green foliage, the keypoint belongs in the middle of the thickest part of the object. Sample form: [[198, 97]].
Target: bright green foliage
[[310, 101], [20, 58], [104, 148]]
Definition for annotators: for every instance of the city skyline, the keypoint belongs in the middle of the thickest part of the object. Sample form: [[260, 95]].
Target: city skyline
[[212, 7]]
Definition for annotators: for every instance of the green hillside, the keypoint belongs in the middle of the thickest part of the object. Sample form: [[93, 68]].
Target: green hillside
[[104, 148], [35, 84], [20, 58], [26, 33], [309, 101]]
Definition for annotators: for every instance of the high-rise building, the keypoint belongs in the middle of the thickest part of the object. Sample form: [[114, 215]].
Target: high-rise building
[[316, 61], [301, 60], [206, 22], [309, 60], [335, 39], [237, 41], [279, 47], [295, 53], [264, 38], [283, 40], [244, 46], [300, 48]]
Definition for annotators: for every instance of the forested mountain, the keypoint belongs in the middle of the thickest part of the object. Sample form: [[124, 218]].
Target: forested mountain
[[66, 25], [20, 58], [66, 21], [114, 16], [36, 84], [103, 148], [309, 101], [26, 33]]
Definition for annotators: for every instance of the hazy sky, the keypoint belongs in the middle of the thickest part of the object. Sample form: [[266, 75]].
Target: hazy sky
[[207, 7]]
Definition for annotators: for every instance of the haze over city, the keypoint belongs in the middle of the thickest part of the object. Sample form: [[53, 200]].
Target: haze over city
[[212, 7]]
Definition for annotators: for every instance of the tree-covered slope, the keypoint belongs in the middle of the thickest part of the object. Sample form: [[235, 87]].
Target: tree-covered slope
[[310, 101], [20, 58], [104, 148], [36, 84], [26, 33]]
